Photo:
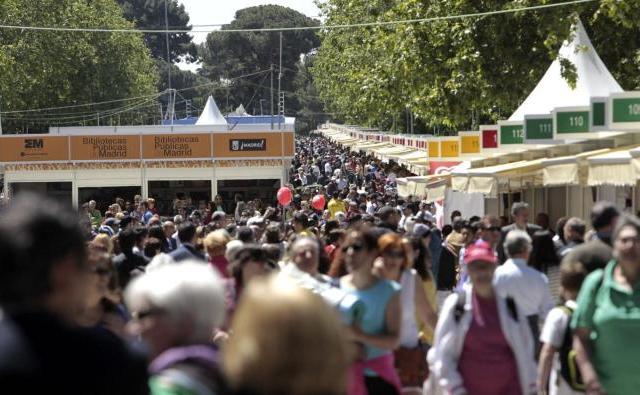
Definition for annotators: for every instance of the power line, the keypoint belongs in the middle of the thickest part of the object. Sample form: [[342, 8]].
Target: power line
[[225, 24], [155, 95], [80, 105], [299, 28]]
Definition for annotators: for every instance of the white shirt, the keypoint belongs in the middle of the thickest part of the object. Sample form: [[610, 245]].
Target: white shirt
[[327, 168], [553, 332], [527, 286], [409, 326], [371, 208]]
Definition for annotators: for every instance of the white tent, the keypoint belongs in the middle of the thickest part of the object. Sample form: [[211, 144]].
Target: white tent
[[240, 112], [594, 79], [211, 115]]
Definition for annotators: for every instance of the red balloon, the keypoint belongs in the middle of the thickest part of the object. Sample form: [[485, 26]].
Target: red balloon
[[284, 196], [318, 202]]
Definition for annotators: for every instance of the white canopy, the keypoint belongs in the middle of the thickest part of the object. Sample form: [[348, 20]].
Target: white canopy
[[240, 112], [594, 79], [211, 114]]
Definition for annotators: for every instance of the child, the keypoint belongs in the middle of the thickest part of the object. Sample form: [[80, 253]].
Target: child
[[554, 333]]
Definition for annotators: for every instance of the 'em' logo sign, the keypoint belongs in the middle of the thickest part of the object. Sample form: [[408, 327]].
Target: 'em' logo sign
[[33, 143]]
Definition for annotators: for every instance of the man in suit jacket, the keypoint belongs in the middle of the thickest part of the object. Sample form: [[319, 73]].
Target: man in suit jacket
[[169, 243], [596, 253], [187, 249], [520, 214]]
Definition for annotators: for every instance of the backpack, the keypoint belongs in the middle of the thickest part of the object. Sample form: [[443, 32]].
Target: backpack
[[459, 307], [568, 366]]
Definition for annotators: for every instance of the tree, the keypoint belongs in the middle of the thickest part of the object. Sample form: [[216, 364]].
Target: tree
[[190, 87], [457, 73], [306, 97], [231, 54], [149, 14], [41, 69]]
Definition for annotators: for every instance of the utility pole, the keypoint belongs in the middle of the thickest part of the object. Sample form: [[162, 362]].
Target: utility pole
[[171, 103], [280, 107], [271, 96]]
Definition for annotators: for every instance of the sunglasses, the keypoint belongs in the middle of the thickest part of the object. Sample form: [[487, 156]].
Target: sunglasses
[[101, 271], [394, 254], [150, 312], [357, 247]]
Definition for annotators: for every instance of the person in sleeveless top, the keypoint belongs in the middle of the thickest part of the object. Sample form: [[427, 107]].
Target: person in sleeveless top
[[375, 328], [395, 264]]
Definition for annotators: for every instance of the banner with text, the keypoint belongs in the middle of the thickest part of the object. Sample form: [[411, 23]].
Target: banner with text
[[105, 148], [34, 148]]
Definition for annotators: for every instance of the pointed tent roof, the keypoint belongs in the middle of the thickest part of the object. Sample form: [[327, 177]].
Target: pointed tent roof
[[211, 115], [241, 111], [594, 79]]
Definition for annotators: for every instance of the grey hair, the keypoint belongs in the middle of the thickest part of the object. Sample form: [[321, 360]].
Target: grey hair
[[517, 242], [577, 225], [517, 207], [626, 221], [190, 290], [304, 240]]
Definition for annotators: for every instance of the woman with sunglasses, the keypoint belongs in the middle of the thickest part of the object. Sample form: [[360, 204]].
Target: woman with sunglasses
[[102, 309], [376, 326], [395, 264]]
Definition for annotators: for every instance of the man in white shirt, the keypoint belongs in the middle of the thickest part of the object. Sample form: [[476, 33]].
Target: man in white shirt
[[327, 168], [527, 286]]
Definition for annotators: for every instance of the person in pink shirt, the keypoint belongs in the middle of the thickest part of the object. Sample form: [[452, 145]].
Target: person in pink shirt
[[483, 344]]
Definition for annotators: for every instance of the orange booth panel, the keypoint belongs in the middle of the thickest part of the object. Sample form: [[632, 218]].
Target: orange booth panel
[[34, 148], [253, 145], [112, 147], [176, 146]]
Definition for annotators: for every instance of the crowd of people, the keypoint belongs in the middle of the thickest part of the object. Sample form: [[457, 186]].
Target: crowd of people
[[358, 292]]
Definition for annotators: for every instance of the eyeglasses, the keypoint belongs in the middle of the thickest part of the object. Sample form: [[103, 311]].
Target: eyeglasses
[[357, 247], [150, 312], [101, 271], [394, 254]]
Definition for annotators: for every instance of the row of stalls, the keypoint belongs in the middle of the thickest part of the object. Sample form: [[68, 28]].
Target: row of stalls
[[181, 166], [562, 150]]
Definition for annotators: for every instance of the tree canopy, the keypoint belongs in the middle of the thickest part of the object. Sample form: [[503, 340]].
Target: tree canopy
[[41, 69], [149, 14], [228, 55], [458, 73]]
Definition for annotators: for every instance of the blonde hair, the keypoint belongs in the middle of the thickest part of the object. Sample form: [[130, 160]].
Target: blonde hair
[[290, 342], [217, 238], [105, 241]]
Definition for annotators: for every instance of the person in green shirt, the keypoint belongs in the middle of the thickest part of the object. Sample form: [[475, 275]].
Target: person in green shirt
[[96, 217], [606, 322]]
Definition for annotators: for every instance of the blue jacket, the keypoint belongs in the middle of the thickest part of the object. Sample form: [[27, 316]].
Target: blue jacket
[[185, 252]]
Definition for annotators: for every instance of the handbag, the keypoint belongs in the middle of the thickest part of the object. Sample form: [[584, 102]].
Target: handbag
[[411, 364]]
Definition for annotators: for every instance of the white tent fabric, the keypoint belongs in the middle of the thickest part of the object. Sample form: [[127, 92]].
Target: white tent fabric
[[211, 114], [241, 111], [594, 79]]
